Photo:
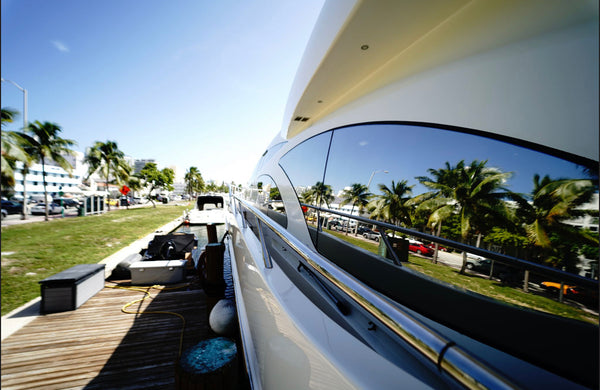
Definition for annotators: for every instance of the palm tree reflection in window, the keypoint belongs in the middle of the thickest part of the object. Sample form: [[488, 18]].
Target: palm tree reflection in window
[[358, 195], [475, 192]]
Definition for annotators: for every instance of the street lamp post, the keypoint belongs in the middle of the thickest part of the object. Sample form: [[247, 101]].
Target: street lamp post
[[373, 174], [24, 216]]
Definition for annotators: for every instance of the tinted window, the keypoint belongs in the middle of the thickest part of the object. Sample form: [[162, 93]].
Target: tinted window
[[462, 187], [305, 165], [467, 190]]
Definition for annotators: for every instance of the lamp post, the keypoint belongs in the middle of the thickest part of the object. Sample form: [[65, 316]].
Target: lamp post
[[24, 216], [373, 174]]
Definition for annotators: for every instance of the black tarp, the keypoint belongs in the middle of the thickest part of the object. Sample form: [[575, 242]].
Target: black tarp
[[170, 246]]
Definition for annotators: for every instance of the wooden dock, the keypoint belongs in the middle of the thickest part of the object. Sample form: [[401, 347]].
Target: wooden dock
[[98, 346]]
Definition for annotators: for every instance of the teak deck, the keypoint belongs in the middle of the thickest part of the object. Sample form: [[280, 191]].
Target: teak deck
[[98, 346]]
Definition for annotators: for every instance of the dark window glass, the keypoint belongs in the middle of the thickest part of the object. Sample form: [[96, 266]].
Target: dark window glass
[[458, 186], [467, 189], [305, 165]]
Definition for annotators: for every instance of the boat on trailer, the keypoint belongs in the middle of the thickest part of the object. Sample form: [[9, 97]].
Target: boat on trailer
[[472, 110]]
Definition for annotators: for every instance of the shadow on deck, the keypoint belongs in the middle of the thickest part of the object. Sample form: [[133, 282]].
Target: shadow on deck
[[99, 347]]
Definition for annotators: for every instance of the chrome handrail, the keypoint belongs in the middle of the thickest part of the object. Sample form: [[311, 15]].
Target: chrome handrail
[[445, 354]]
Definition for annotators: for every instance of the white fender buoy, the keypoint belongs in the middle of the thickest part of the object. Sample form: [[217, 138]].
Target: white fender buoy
[[222, 318]]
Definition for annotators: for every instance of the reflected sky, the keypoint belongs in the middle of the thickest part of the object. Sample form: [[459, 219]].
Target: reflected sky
[[408, 151]]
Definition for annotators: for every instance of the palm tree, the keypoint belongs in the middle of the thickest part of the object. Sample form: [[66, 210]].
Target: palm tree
[[393, 205], [29, 150], [307, 197], [358, 194], [439, 203], [194, 181], [11, 149], [322, 193], [8, 116], [107, 157], [553, 202], [474, 192], [44, 145], [15, 147]]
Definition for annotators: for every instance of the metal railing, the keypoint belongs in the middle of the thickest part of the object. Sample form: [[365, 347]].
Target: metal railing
[[504, 259], [448, 357]]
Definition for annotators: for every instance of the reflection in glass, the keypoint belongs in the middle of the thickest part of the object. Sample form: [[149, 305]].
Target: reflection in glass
[[462, 187], [486, 192], [305, 165], [269, 200]]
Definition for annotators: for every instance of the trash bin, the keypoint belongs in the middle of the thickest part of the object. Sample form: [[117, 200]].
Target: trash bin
[[399, 246]]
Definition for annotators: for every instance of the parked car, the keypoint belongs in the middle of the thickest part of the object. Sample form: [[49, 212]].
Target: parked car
[[419, 248], [67, 202], [555, 287], [4, 213], [11, 207], [337, 225], [40, 209], [363, 229], [440, 248], [371, 235], [478, 263], [332, 225]]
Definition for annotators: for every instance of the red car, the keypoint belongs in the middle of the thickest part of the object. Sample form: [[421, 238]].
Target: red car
[[420, 248], [440, 248]]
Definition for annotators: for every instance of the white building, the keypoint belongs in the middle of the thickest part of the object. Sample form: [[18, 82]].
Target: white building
[[57, 179], [589, 222]]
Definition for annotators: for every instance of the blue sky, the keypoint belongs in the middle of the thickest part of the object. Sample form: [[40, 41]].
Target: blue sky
[[186, 82]]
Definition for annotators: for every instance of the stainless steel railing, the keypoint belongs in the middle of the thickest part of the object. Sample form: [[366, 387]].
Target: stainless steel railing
[[443, 353], [508, 260]]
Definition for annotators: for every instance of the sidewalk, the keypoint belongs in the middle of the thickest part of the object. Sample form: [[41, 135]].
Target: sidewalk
[[23, 315]]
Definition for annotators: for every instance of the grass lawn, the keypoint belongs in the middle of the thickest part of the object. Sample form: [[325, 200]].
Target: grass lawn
[[33, 251], [481, 285]]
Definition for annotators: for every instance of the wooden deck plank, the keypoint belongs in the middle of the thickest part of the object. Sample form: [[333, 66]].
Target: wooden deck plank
[[99, 347]]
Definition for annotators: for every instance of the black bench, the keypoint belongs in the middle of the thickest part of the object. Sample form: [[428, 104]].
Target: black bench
[[69, 289]]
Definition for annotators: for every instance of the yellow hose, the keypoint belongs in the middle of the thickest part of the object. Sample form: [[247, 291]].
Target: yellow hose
[[147, 292]]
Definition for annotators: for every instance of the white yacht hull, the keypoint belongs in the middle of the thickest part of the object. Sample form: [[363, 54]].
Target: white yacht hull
[[506, 68]]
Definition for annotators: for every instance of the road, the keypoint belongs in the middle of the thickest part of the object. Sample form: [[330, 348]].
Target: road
[[15, 219]]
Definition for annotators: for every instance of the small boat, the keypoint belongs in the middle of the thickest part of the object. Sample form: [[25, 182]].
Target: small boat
[[437, 121], [208, 209]]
